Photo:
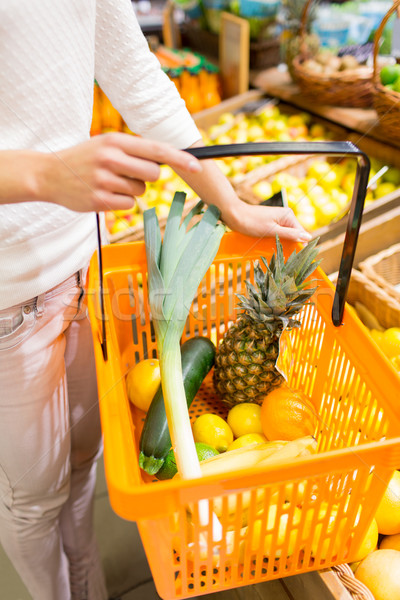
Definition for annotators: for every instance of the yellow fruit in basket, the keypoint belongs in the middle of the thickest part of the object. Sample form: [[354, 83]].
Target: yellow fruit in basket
[[247, 439], [318, 523], [287, 414], [369, 542], [278, 528], [142, 382], [388, 514], [213, 430], [380, 572], [245, 418]]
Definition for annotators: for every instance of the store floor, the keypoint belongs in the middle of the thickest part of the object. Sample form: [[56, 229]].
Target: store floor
[[128, 575]]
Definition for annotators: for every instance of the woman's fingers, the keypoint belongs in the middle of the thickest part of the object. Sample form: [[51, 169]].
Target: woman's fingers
[[145, 154], [105, 172], [266, 221], [290, 233]]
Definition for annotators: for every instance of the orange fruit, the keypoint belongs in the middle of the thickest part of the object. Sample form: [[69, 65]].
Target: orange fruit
[[390, 542], [380, 572], [287, 415], [142, 382], [388, 514]]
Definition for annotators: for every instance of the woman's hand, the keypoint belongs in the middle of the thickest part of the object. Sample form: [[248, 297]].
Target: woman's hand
[[108, 171], [265, 221], [258, 221], [103, 173]]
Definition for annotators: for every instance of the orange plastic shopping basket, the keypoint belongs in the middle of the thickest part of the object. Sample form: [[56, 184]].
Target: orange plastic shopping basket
[[314, 511]]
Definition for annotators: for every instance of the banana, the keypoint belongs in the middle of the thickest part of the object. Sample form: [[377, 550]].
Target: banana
[[300, 447], [367, 317], [239, 459]]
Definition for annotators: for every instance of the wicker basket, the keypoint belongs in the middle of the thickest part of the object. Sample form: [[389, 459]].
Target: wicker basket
[[352, 88], [383, 269], [383, 306], [385, 101]]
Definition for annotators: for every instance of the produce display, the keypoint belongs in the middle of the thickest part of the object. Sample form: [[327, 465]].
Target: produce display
[[196, 78], [387, 339], [327, 61], [319, 190]]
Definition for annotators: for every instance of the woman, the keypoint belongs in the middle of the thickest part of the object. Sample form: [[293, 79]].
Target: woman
[[52, 179]]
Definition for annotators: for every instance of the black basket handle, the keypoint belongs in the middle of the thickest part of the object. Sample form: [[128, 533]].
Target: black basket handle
[[340, 149]]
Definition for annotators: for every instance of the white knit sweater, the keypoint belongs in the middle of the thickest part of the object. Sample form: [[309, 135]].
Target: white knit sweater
[[51, 51]]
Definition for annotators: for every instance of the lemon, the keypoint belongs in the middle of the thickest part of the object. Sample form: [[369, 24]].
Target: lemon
[[212, 430], [120, 225], [390, 542], [142, 382], [390, 343], [245, 418], [169, 468], [384, 188], [247, 439], [369, 543], [388, 513]]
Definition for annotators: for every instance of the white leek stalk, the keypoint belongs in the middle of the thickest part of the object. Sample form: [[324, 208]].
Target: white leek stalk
[[176, 267]]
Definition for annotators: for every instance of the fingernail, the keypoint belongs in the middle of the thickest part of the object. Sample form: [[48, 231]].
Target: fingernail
[[304, 236], [194, 166]]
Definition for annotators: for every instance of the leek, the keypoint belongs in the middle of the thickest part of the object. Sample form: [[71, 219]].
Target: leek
[[175, 268]]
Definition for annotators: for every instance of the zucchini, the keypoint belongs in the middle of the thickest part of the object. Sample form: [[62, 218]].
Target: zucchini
[[197, 356]]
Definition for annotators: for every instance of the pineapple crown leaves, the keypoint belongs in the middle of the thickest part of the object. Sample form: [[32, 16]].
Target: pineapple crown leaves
[[281, 290]]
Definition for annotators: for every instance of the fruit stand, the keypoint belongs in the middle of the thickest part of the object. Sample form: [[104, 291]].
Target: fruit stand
[[278, 108]]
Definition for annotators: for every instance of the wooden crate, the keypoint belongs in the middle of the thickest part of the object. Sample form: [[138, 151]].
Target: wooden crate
[[321, 585], [375, 235]]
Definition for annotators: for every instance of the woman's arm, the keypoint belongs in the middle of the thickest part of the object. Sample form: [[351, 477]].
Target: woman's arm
[[103, 173], [259, 221]]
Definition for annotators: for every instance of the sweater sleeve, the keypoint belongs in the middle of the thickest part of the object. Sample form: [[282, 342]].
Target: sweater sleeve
[[132, 78]]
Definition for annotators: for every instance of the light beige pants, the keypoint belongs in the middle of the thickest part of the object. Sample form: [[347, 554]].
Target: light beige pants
[[50, 439]]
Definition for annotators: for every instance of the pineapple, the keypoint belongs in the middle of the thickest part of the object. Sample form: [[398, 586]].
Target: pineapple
[[245, 361]]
